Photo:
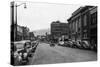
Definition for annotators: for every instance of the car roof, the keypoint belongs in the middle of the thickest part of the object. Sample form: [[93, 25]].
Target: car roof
[[24, 41]]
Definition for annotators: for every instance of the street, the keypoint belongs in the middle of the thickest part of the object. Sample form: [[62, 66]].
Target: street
[[47, 55]]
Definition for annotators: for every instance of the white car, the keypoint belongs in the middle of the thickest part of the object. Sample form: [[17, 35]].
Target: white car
[[85, 44], [61, 43]]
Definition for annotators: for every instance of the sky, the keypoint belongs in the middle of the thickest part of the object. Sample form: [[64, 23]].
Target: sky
[[40, 15]]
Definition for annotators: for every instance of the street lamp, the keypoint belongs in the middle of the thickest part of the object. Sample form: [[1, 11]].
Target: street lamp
[[16, 14]]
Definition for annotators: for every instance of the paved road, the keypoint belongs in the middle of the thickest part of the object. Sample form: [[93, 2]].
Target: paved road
[[48, 55]]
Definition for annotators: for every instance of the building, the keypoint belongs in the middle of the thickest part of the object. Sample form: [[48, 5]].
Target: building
[[58, 29], [31, 35], [83, 24], [93, 25], [25, 33], [79, 24], [17, 32]]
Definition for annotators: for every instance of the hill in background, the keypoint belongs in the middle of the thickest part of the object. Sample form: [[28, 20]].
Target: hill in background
[[41, 32]]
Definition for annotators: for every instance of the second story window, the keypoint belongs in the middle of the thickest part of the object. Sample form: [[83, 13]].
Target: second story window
[[94, 18], [84, 20], [79, 22]]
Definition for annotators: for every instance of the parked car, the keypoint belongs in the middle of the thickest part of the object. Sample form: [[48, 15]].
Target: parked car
[[28, 48], [34, 45], [23, 57], [78, 44], [93, 45], [70, 43], [61, 42], [66, 43], [52, 44], [74, 44], [13, 50], [23, 51], [86, 44]]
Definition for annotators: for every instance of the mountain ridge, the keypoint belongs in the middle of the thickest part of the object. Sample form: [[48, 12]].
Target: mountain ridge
[[41, 32]]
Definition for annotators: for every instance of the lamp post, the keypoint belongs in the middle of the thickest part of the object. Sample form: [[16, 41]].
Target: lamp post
[[12, 22], [16, 15]]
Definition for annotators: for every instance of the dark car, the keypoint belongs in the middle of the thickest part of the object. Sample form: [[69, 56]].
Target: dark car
[[68, 43], [34, 45], [61, 42], [73, 45], [28, 48], [52, 43], [78, 44], [85, 44], [13, 50], [23, 56]]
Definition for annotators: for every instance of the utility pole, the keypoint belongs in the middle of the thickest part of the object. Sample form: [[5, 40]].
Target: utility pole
[[16, 21], [12, 22]]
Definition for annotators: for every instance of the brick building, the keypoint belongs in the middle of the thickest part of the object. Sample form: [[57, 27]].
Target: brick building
[[93, 25]]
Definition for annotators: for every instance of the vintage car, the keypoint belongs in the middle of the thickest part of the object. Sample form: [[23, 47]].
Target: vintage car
[[78, 44], [74, 44], [52, 44], [28, 47], [23, 52], [23, 57], [34, 45], [68, 43], [61, 42], [85, 44], [20, 44]]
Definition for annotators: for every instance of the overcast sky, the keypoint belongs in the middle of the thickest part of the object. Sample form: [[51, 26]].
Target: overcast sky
[[40, 15]]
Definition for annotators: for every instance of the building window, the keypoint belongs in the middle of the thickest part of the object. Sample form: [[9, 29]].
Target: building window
[[85, 36], [84, 20], [73, 26], [94, 18], [79, 22], [76, 25]]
